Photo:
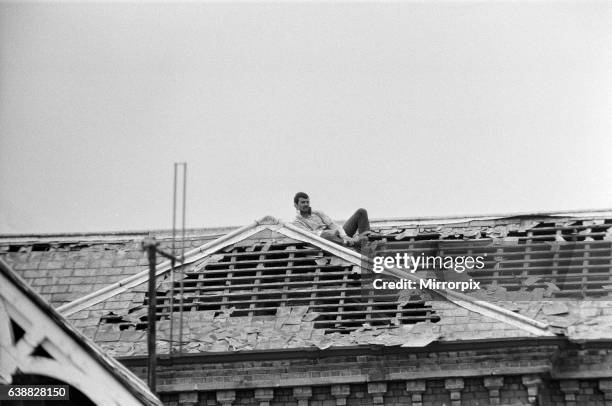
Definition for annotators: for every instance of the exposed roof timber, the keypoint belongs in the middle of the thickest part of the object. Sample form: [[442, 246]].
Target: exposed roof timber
[[141, 277], [266, 223], [291, 231]]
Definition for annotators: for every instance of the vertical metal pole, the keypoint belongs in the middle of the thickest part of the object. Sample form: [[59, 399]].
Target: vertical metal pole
[[172, 263], [182, 256], [152, 364]]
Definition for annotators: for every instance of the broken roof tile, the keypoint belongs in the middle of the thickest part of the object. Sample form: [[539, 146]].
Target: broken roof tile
[[301, 286]]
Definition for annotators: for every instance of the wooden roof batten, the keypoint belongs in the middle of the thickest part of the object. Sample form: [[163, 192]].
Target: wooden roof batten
[[72, 358], [266, 223], [291, 231]]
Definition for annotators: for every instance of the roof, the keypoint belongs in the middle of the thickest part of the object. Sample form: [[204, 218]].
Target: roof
[[269, 285], [120, 373]]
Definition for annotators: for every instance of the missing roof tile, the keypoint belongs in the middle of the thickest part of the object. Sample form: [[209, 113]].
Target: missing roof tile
[[306, 283]]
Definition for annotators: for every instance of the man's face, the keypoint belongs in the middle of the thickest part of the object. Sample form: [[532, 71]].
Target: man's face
[[303, 205]]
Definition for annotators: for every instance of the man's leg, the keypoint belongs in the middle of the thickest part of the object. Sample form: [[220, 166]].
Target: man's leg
[[357, 222], [328, 235]]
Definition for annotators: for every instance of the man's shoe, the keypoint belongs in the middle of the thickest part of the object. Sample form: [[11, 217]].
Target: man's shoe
[[372, 235]]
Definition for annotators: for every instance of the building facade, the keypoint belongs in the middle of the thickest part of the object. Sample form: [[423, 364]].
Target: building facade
[[269, 314]]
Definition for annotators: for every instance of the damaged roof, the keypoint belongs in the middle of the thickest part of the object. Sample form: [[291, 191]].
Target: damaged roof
[[270, 285]]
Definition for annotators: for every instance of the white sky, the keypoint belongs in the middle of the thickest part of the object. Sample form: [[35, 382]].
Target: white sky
[[405, 108]]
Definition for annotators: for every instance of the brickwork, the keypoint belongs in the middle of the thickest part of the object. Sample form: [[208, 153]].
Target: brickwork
[[321, 396], [436, 394], [605, 386], [589, 394], [328, 370], [552, 393], [416, 389], [359, 396], [396, 394], [283, 397], [513, 391], [575, 361], [263, 396], [474, 393], [169, 399], [367, 381], [493, 384], [207, 399]]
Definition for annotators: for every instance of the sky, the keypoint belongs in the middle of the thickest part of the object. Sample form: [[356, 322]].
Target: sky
[[406, 108]]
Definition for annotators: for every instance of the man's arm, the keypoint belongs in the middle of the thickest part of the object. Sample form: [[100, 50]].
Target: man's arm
[[332, 226]]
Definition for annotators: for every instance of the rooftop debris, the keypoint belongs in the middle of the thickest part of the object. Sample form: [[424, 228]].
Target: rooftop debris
[[293, 327], [555, 308], [268, 291], [592, 328]]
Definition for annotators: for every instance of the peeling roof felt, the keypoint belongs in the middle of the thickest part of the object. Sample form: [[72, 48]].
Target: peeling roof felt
[[272, 290]]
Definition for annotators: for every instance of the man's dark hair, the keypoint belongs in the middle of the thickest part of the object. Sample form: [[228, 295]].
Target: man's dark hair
[[298, 196]]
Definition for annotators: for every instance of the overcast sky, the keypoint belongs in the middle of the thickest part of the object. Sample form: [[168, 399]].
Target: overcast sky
[[406, 108]]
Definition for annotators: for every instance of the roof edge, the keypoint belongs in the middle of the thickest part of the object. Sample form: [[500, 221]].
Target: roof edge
[[359, 349], [222, 230], [468, 217]]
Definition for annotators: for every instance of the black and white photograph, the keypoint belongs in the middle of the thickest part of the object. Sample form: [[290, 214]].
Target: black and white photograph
[[306, 203]]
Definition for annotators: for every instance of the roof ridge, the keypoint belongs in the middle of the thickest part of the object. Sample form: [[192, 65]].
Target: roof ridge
[[222, 230], [467, 217]]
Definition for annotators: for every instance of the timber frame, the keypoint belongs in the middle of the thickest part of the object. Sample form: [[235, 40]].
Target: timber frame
[[68, 355]]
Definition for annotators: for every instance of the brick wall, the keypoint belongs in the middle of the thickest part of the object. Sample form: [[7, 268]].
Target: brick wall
[[456, 378], [327, 370], [475, 393], [435, 393], [283, 397], [513, 391], [359, 395], [589, 394], [396, 394], [246, 398]]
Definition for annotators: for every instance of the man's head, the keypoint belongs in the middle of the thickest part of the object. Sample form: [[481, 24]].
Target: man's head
[[301, 201]]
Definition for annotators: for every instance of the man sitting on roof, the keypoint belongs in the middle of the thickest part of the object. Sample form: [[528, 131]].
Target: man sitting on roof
[[320, 224]]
